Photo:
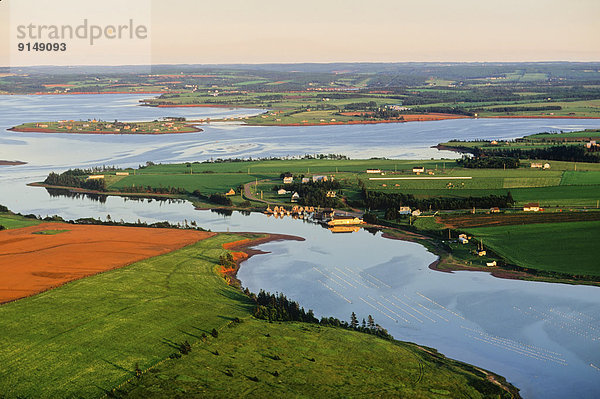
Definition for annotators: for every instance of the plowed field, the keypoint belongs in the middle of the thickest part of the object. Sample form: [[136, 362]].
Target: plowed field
[[32, 262]]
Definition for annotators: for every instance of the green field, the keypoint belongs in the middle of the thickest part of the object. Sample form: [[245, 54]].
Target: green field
[[550, 247], [571, 178], [50, 232], [565, 184], [88, 337], [206, 183], [10, 221]]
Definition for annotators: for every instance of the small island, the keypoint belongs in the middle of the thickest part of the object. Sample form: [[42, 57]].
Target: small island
[[11, 163], [170, 125]]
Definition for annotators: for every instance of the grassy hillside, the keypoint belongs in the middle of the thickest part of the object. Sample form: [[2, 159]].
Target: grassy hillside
[[259, 359], [95, 334]]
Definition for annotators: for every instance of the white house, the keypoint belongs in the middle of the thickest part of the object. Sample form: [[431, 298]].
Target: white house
[[295, 197], [305, 180], [418, 169], [288, 180], [404, 210], [531, 207]]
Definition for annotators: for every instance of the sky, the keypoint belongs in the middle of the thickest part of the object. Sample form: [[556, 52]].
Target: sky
[[283, 31]]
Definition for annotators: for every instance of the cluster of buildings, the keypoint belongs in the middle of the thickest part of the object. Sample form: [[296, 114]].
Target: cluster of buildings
[[296, 212], [592, 145], [288, 178]]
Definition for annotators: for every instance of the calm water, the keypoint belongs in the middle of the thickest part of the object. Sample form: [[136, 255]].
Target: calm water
[[543, 337]]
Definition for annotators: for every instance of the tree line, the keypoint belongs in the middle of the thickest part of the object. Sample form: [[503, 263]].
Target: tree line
[[273, 307], [492, 162], [569, 153], [391, 202], [523, 108], [71, 178]]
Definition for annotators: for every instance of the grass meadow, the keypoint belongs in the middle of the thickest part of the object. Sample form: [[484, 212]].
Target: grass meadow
[[10, 221]]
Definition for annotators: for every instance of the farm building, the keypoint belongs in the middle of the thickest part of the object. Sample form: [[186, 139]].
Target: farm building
[[404, 210], [531, 207], [540, 165], [95, 177], [288, 180], [418, 169], [345, 220], [495, 210], [305, 180], [230, 192], [374, 171], [122, 174], [481, 252], [282, 191], [295, 197], [462, 238], [319, 178], [492, 263], [330, 194], [416, 212]]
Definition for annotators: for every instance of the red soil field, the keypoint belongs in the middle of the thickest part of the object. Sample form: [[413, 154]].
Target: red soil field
[[31, 263]]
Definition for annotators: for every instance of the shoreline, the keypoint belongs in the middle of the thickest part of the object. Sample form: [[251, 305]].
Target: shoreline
[[446, 263], [41, 93], [45, 130], [11, 163], [241, 251]]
